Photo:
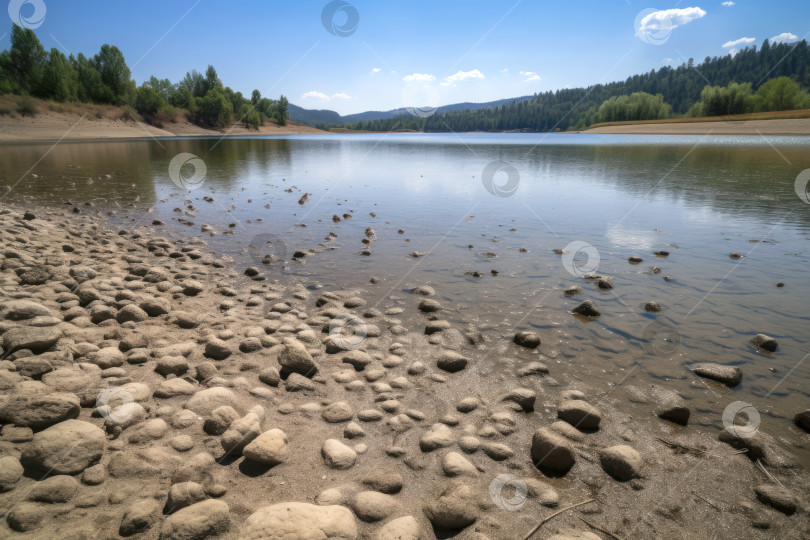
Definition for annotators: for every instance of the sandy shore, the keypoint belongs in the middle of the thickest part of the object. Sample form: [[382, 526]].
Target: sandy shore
[[149, 386], [800, 126], [53, 125]]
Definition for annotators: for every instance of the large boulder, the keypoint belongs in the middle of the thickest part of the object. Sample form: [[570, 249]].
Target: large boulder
[[552, 451], [37, 339], [65, 448], [21, 310], [580, 414], [202, 520], [39, 411], [454, 508], [404, 528], [294, 520], [294, 358], [269, 448]]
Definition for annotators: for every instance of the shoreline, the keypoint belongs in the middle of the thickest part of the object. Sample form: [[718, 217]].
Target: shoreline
[[240, 383], [54, 126]]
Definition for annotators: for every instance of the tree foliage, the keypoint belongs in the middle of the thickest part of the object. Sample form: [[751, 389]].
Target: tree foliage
[[27, 69], [637, 106]]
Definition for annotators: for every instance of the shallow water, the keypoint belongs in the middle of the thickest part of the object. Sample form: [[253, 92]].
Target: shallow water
[[700, 198]]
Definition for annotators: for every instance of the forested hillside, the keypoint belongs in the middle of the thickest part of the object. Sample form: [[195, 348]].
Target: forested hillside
[[27, 69], [680, 88]]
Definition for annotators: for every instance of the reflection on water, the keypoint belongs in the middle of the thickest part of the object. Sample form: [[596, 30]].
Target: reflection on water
[[699, 198]]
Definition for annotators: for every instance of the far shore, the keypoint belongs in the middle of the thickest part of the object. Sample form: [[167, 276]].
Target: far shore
[[54, 126]]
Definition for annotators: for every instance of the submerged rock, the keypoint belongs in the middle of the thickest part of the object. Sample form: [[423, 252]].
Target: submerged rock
[[728, 375]]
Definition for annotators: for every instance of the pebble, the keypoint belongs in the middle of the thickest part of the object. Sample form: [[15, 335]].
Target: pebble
[[269, 448], [587, 309], [530, 340], [551, 451], [454, 507], [728, 375], [580, 414], [291, 520], [621, 462], [201, 520], [337, 455]]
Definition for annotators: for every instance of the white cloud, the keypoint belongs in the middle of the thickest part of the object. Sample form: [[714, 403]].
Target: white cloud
[[741, 41], [668, 19], [462, 76], [727, 4], [784, 37], [667, 61], [418, 77], [376, 70], [315, 95], [530, 76], [320, 96], [505, 70], [733, 52]]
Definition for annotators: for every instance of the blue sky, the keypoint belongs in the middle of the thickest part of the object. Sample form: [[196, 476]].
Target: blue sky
[[415, 52]]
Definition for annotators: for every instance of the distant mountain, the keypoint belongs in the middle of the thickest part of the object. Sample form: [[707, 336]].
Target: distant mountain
[[324, 116]]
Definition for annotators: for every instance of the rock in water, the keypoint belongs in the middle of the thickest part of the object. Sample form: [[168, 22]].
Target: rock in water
[[802, 420], [290, 520], [728, 375], [65, 448], [587, 309], [202, 520], [454, 508], [764, 342], [527, 339], [621, 462], [552, 451]]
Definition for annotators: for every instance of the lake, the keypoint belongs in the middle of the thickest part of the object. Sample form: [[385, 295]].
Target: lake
[[474, 203]]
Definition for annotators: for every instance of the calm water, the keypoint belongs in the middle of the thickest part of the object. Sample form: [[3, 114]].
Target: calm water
[[700, 198]]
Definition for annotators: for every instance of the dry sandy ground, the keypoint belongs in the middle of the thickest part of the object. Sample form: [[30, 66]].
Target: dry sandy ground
[[800, 126], [55, 125]]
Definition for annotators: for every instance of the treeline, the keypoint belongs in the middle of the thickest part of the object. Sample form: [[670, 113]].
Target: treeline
[[28, 69], [681, 88]]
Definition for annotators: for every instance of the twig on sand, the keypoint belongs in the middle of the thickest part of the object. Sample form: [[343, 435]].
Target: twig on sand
[[682, 447], [555, 514], [763, 469], [707, 501], [600, 529]]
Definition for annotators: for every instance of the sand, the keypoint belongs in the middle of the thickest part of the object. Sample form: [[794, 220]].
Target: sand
[[799, 126], [53, 125]]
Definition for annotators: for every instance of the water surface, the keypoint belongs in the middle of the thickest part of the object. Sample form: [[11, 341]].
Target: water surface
[[699, 197]]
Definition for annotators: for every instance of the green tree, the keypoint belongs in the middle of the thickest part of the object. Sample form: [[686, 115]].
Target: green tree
[[717, 100], [781, 94], [90, 86], [283, 111], [60, 81], [194, 82], [255, 96], [149, 103], [636, 106], [214, 109], [115, 75], [26, 59]]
